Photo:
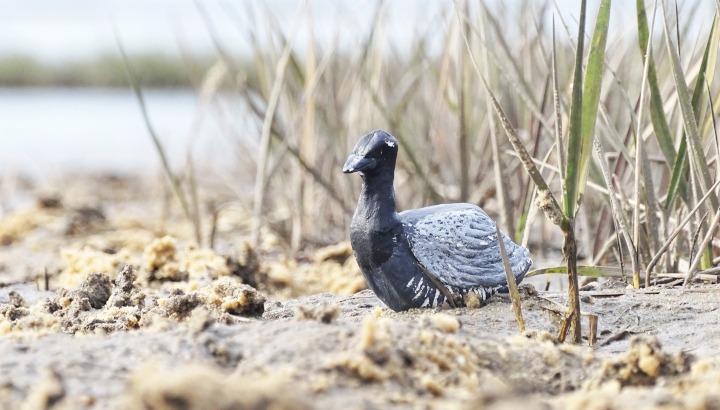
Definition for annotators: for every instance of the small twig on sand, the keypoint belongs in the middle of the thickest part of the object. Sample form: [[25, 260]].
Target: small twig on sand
[[592, 335]]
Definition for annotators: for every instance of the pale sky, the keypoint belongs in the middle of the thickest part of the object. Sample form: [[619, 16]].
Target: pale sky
[[76, 29]]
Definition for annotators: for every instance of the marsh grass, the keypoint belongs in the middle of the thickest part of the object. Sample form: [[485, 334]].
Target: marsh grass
[[557, 99]]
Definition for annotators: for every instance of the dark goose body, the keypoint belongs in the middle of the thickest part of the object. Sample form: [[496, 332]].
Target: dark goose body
[[422, 257]]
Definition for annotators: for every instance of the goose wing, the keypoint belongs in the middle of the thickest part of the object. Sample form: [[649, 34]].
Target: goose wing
[[458, 244]]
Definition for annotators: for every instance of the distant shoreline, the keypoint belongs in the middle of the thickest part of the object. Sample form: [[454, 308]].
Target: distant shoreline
[[105, 71]]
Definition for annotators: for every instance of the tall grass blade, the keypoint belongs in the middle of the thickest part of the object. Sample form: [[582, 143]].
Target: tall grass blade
[[657, 114], [174, 181], [462, 112], [503, 197], [677, 231], [691, 129], [708, 60], [619, 220], [259, 194], [710, 74], [591, 93], [642, 167], [546, 200], [706, 241], [558, 113], [570, 188]]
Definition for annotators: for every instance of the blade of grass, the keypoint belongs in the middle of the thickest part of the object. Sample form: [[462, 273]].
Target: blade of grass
[[570, 188], [657, 113], [502, 195], [583, 114], [282, 64], [707, 60], [709, 74], [462, 112], [619, 220], [314, 171], [546, 200], [512, 285], [677, 231], [174, 181], [591, 94], [518, 80], [706, 241], [528, 193], [714, 130], [587, 271], [695, 237], [642, 166], [691, 129], [558, 115]]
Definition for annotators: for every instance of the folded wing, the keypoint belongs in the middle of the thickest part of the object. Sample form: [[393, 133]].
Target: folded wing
[[458, 244]]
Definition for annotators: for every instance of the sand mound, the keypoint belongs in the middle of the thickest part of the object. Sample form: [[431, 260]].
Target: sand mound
[[203, 387]]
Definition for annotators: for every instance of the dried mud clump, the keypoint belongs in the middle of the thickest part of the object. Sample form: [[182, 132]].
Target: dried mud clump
[[333, 270], [74, 307], [96, 288], [434, 357], [125, 292], [12, 312], [160, 261], [225, 299], [245, 264], [203, 387], [163, 262], [179, 305], [102, 305], [82, 260], [226, 295], [643, 363], [16, 300]]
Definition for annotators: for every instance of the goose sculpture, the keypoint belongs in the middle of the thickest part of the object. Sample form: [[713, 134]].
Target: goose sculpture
[[423, 257]]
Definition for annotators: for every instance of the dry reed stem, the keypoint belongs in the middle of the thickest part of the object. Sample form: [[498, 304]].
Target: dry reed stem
[[696, 235], [618, 218], [640, 165], [550, 207], [512, 285], [708, 237], [267, 127], [592, 332], [502, 195], [677, 231], [174, 181]]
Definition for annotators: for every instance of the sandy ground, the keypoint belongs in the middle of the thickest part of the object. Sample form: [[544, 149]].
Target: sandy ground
[[136, 316]]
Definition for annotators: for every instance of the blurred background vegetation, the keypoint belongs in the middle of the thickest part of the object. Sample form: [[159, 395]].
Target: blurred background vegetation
[[105, 71], [306, 95]]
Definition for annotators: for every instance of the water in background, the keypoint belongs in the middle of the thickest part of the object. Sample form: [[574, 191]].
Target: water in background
[[46, 131]]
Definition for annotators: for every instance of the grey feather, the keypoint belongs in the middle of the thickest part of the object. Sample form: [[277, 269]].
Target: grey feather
[[458, 244]]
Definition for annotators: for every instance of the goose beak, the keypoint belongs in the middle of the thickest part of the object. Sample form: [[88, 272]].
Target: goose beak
[[356, 163]]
